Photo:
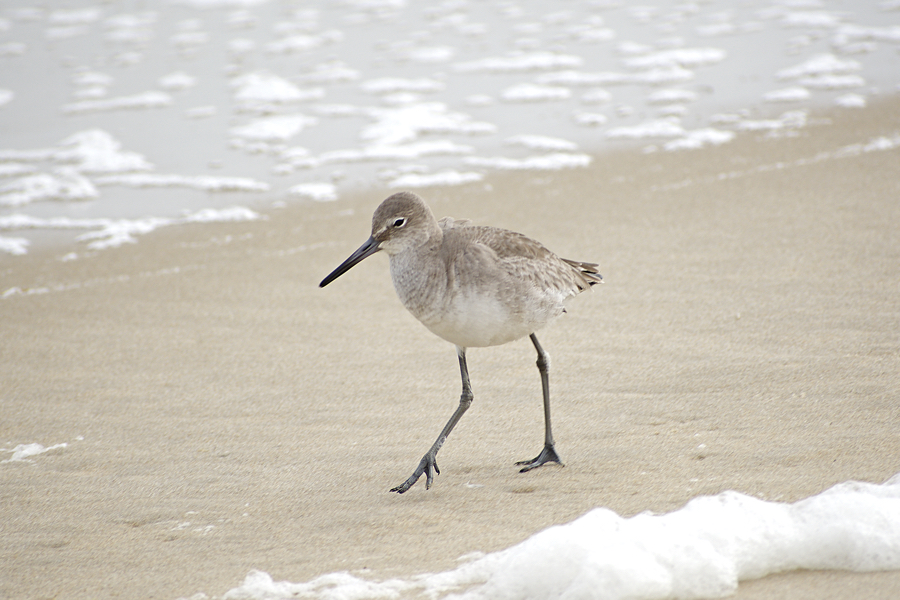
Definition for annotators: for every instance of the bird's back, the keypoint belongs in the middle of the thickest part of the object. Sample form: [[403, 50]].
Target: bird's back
[[521, 256], [493, 285]]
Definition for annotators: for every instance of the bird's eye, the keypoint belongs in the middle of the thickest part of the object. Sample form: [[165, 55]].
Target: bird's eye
[[398, 223]]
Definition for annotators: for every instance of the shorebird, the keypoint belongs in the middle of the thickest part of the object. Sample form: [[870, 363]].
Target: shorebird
[[473, 286]]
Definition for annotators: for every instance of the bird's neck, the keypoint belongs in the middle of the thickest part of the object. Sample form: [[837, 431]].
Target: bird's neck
[[418, 278]]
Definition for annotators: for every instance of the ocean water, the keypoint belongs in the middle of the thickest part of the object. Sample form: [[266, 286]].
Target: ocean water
[[121, 117]]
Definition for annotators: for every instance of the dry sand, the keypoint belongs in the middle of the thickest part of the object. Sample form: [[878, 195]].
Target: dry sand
[[223, 413]]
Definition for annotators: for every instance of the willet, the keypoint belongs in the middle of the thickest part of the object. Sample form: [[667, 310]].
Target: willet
[[473, 286]]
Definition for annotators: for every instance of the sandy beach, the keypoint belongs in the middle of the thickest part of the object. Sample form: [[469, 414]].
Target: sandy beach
[[223, 414]]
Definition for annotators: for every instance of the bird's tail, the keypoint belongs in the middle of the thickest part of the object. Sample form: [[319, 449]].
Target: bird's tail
[[588, 272]]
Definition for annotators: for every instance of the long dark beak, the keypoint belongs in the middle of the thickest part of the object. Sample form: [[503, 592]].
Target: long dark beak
[[364, 251]]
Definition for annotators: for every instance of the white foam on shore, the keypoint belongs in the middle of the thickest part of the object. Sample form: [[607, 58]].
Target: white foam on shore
[[300, 158], [212, 4], [334, 71], [793, 119], [302, 42], [590, 119], [320, 192], [206, 183], [23, 452], [832, 82], [851, 101], [96, 151], [679, 57], [532, 92], [392, 152], [671, 95], [657, 128], [400, 125], [64, 183], [77, 166], [260, 87], [534, 61], [446, 177], [821, 64], [13, 169], [542, 142], [90, 151], [699, 551], [669, 74], [179, 80], [110, 233], [699, 138], [150, 99], [551, 162], [277, 128], [790, 94], [14, 246], [389, 85]]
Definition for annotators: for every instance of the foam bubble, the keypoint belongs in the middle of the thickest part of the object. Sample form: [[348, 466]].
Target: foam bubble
[[541, 142], [590, 119], [679, 57], [64, 184], [832, 82], [554, 161], [851, 101], [151, 99], [262, 87], [179, 80], [668, 127], [389, 85], [670, 95], [110, 233], [446, 177], [320, 192], [277, 128], [535, 61], [530, 92], [821, 64], [302, 42], [206, 183], [791, 94], [404, 124], [96, 151], [698, 138]]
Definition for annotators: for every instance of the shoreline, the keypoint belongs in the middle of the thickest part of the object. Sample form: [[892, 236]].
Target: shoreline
[[749, 305]]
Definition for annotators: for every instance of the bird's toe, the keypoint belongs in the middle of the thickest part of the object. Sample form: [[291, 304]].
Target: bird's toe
[[547, 455]]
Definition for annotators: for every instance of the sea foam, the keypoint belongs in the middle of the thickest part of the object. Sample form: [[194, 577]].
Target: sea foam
[[699, 551]]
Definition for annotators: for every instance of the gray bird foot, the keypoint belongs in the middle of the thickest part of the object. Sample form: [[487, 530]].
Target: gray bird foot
[[548, 454], [425, 467]]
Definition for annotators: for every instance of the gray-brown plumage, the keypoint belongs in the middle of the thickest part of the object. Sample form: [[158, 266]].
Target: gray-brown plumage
[[473, 286]]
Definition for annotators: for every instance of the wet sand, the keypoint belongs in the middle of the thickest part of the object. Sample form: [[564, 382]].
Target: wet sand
[[223, 413]]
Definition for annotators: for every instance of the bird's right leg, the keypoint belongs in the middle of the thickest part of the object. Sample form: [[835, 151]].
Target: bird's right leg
[[548, 454], [429, 461]]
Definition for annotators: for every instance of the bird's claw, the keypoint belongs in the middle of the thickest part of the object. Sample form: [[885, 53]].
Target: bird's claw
[[426, 465], [548, 454]]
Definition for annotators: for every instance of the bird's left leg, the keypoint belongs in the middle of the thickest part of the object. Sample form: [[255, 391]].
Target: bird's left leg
[[428, 465], [548, 454]]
